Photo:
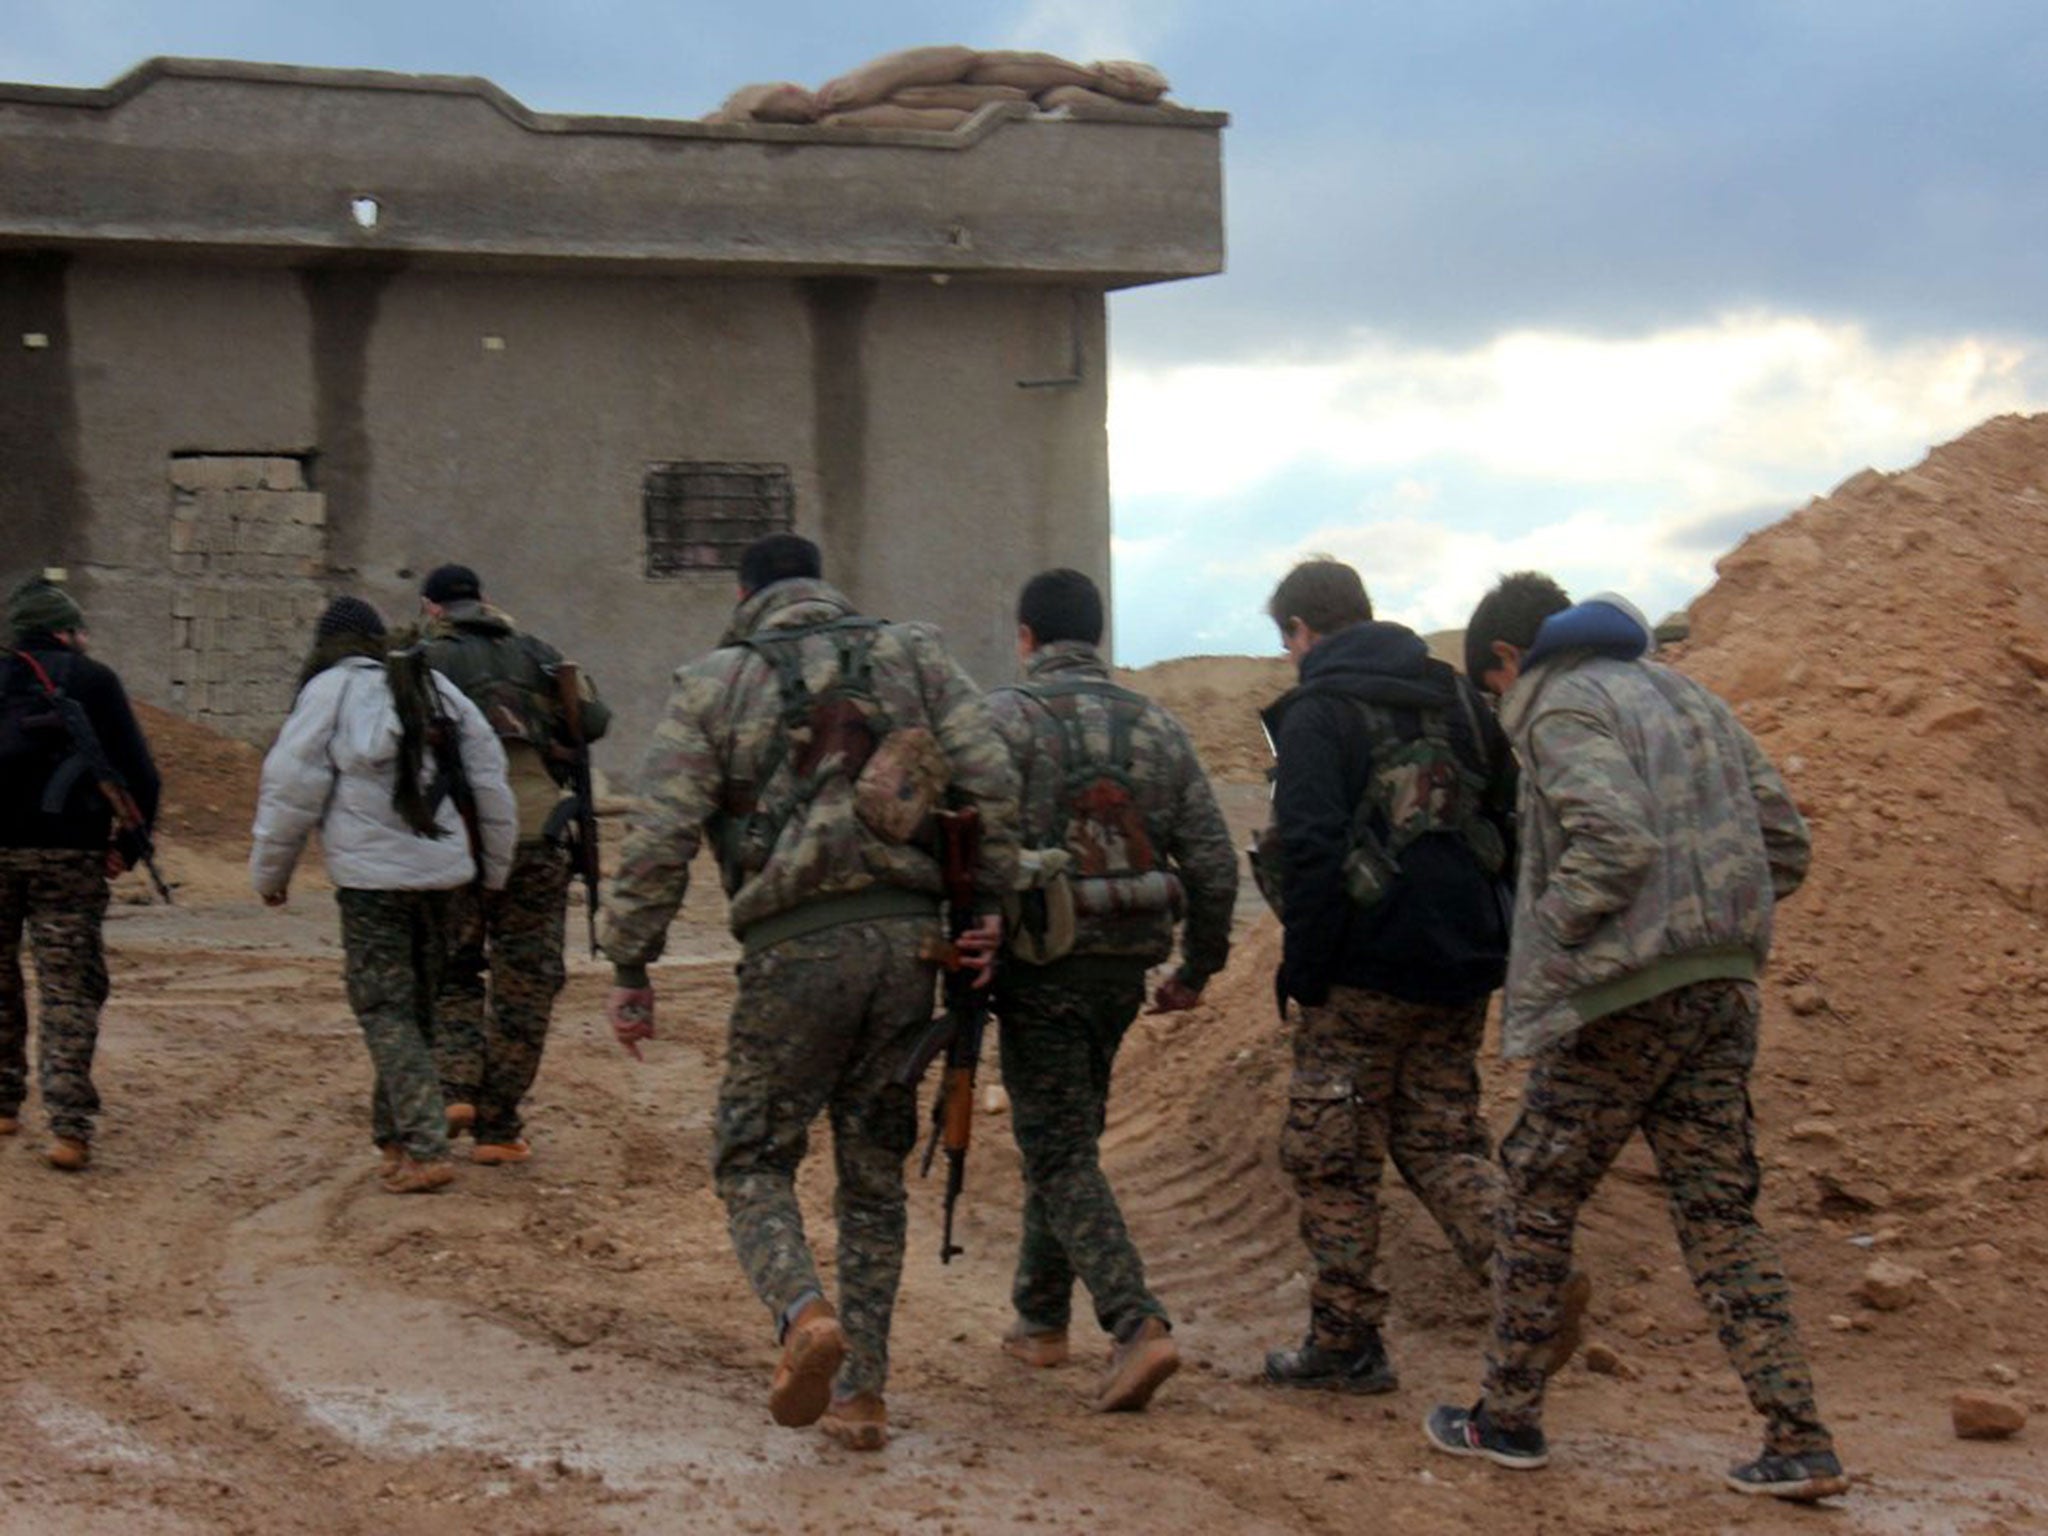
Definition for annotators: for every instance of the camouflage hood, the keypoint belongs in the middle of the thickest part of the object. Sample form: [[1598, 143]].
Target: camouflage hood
[[797, 603]]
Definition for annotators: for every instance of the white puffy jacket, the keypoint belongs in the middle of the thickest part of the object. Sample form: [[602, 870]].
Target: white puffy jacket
[[334, 766]]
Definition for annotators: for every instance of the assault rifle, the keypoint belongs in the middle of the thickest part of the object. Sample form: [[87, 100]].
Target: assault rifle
[[131, 832], [958, 1029], [451, 776], [583, 844]]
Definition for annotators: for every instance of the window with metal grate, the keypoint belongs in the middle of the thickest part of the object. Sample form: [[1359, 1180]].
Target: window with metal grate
[[700, 516]]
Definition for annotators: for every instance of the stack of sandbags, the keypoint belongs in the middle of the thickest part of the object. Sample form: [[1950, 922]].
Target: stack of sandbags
[[941, 87]]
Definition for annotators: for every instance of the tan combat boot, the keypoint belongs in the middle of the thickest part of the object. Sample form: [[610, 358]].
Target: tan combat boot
[[390, 1154], [499, 1153], [9, 1125], [812, 1350], [860, 1422], [1137, 1368], [460, 1117], [1040, 1349], [68, 1154], [413, 1177]]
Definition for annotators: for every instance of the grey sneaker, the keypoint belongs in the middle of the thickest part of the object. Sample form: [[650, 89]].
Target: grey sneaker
[[1469, 1432], [1802, 1479]]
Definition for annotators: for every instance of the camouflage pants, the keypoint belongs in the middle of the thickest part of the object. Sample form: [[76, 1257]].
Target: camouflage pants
[[1376, 1077], [823, 1022], [488, 1054], [1060, 1040], [392, 945], [1677, 1067], [59, 895]]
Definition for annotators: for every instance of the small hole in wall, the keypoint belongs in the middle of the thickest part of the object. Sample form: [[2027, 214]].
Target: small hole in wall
[[365, 211]]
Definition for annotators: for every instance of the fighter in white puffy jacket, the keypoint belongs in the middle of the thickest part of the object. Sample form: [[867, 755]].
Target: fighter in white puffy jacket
[[356, 759], [334, 766]]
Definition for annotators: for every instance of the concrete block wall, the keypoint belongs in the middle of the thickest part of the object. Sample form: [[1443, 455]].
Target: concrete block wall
[[248, 551]]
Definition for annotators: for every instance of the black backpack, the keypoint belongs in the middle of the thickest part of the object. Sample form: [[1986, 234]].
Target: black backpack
[[34, 741]]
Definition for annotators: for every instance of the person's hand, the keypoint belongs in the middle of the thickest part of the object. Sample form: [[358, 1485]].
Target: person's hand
[[1174, 996], [979, 946], [631, 1012], [278, 897]]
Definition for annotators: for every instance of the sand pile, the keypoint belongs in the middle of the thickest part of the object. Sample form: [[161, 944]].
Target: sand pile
[[1889, 644]]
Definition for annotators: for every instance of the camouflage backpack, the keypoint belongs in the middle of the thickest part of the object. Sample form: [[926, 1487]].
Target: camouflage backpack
[[1103, 862], [512, 683], [1420, 786], [843, 733]]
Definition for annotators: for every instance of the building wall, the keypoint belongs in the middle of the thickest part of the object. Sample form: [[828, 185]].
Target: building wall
[[507, 420]]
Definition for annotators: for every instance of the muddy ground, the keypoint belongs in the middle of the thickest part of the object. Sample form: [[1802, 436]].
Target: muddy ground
[[227, 1326]]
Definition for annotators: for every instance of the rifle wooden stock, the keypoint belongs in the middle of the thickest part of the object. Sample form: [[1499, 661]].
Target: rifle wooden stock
[[965, 1018]]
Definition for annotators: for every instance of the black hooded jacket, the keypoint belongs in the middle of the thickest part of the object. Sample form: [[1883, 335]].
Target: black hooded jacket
[[84, 821], [1441, 936]]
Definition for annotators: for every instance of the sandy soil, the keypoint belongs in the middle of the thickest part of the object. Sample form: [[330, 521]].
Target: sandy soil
[[227, 1326]]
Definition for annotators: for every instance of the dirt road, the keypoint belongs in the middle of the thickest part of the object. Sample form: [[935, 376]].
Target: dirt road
[[227, 1326]]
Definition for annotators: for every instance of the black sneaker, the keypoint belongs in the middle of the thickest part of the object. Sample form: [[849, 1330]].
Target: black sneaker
[[1802, 1479], [1363, 1369], [1469, 1432]]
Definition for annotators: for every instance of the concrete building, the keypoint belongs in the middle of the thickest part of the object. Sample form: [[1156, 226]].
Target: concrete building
[[271, 333]]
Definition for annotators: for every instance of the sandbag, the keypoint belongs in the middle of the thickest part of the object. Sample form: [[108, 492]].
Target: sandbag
[[1033, 72], [781, 102], [879, 79], [959, 98], [1128, 80], [889, 115], [1078, 96]]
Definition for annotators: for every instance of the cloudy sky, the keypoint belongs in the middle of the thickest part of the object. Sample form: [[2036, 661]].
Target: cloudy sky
[[1590, 285]]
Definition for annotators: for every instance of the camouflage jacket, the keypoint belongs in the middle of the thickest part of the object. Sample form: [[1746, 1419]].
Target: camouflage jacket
[[1656, 838], [720, 730], [476, 646], [1172, 793]]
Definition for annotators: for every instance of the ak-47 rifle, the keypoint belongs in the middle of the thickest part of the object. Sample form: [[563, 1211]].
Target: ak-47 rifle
[[958, 1029], [583, 844], [131, 832]]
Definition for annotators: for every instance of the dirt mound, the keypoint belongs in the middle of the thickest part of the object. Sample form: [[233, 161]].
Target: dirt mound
[[1888, 644], [209, 782]]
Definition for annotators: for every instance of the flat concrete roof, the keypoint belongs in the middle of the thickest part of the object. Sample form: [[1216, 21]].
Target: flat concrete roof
[[263, 162]]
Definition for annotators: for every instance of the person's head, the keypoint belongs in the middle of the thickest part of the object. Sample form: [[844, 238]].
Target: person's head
[[40, 607], [447, 584], [347, 626], [778, 557], [1504, 625], [1315, 600], [1058, 605]]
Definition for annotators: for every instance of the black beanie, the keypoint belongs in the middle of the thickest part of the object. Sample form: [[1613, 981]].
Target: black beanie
[[349, 616], [451, 584]]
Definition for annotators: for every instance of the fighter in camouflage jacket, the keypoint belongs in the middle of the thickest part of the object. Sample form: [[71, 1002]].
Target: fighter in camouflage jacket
[[1656, 836], [838, 922], [1171, 791], [722, 720]]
